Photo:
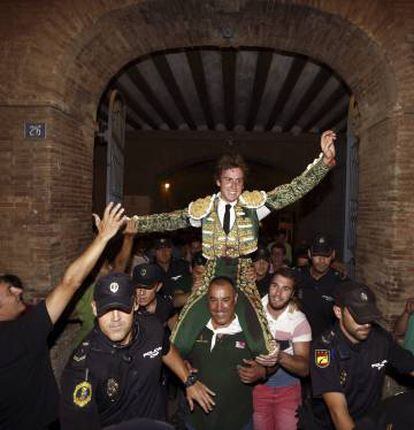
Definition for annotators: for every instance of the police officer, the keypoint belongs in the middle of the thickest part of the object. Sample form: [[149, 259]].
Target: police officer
[[348, 362], [175, 272], [317, 284], [147, 279], [114, 375]]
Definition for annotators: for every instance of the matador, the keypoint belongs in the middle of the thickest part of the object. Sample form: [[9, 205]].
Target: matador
[[229, 221]]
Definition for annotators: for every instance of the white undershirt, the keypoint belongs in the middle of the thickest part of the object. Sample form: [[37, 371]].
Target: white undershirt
[[233, 328]]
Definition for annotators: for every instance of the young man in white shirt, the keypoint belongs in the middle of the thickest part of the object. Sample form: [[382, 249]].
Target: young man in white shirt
[[275, 401]]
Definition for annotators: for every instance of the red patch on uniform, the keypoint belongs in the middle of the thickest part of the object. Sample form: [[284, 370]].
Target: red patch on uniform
[[240, 344], [322, 357]]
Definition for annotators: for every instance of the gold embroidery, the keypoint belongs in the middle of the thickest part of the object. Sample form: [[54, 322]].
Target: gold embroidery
[[200, 207], [253, 199]]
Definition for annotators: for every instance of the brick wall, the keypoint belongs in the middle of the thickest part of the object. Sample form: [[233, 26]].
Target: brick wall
[[57, 58]]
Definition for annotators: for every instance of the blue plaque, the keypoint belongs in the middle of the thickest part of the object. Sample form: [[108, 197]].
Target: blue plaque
[[35, 130]]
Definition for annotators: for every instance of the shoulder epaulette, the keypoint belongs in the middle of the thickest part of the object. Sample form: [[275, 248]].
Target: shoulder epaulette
[[253, 199], [80, 353], [328, 337], [201, 207]]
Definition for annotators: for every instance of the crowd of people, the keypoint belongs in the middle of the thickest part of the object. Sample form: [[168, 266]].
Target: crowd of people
[[222, 330]]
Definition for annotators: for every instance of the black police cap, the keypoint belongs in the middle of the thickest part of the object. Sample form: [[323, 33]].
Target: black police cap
[[359, 300], [114, 291], [321, 245], [162, 242], [146, 275]]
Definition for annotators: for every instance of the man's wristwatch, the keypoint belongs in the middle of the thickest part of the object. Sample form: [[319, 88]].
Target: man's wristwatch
[[191, 380]]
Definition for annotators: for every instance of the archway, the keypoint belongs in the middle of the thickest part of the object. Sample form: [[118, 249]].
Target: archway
[[83, 57]]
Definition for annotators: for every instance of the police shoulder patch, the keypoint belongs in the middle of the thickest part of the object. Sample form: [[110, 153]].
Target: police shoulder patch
[[201, 207], [82, 394], [253, 199], [322, 358], [79, 355]]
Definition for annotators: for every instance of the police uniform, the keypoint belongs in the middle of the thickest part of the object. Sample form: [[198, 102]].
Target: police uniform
[[356, 370], [317, 298], [105, 383], [393, 413], [146, 276], [177, 277]]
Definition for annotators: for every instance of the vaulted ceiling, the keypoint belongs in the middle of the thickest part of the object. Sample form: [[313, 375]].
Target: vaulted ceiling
[[231, 89]]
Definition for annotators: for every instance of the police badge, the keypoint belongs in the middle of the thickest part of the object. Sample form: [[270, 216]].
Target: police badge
[[342, 377], [112, 389], [82, 394], [322, 358]]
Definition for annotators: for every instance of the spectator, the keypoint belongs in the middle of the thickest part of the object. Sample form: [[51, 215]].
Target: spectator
[[404, 326], [277, 257], [302, 256], [219, 350], [281, 239], [12, 280], [16, 283], [261, 264], [139, 255], [114, 375], [276, 401], [28, 390]]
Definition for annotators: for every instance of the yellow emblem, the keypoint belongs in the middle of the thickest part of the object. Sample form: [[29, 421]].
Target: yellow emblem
[[253, 199], [322, 358], [82, 394], [200, 207]]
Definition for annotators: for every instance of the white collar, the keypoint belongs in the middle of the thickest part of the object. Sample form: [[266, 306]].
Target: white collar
[[233, 328], [225, 202]]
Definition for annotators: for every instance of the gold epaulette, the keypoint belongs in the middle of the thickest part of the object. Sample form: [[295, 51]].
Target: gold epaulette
[[201, 207], [253, 199]]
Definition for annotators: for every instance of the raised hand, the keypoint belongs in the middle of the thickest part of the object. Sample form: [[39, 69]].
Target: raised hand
[[130, 227], [328, 147], [113, 218]]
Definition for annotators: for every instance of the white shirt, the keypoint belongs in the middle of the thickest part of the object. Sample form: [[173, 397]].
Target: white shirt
[[291, 325], [233, 328]]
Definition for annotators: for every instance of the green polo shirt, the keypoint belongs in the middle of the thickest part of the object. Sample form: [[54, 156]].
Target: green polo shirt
[[218, 370]]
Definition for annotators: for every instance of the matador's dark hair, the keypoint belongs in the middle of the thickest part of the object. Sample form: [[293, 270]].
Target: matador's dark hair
[[231, 160]]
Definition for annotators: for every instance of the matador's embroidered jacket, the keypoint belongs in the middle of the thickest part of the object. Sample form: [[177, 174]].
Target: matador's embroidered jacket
[[251, 207]]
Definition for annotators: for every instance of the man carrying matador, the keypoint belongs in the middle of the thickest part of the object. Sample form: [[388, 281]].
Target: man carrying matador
[[230, 226]]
